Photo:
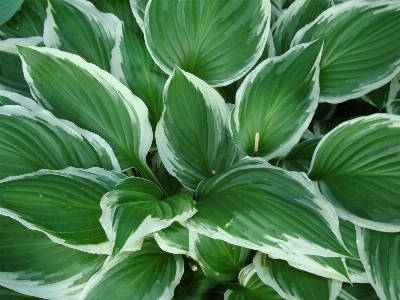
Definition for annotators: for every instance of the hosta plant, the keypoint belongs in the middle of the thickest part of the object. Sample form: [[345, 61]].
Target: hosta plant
[[196, 149]]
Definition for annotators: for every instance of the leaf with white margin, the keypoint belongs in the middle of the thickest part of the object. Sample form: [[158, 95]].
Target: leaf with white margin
[[378, 97], [357, 292], [217, 41], [135, 208], [65, 204], [78, 27], [146, 274], [218, 259], [250, 287], [394, 90], [31, 141], [393, 106], [294, 284], [357, 57], [380, 255], [255, 205], [132, 64], [275, 110], [11, 75], [92, 99], [357, 166], [173, 239], [192, 136], [32, 264], [138, 9], [295, 17], [10, 98]]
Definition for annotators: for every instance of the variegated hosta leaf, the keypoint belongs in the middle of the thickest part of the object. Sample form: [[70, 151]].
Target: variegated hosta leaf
[[299, 157], [295, 17], [78, 27], [270, 115], [257, 206], [251, 287], [11, 75], [132, 64], [10, 98], [146, 274], [30, 263], [192, 136], [135, 208], [31, 141], [378, 97], [6, 293], [8, 9], [294, 284], [138, 8], [93, 99], [217, 41], [357, 166], [173, 239], [380, 255], [357, 292], [64, 204], [393, 106], [394, 90], [357, 58], [219, 260]]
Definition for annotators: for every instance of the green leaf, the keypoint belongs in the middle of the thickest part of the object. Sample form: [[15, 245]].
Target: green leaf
[[299, 157], [250, 287], [173, 239], [378, 97], [12, 295], [138, 8], [64, 204], [31, 141], [132, 64], [91, 98], [10, 98], [294, 284], [223, 263], [31, 264], [357, 57], [80, 28], [199, 144], [357, 167], [135, 208], [393, 106], [278, 112], [206, 38], [8, 9], [11, 75], [357, 292], [295, 17], [27, 21], [146, 274], [257, 206], [380, 255]]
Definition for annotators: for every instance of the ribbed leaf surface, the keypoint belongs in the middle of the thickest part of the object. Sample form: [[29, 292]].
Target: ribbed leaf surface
[[173, 239], [8, 9]]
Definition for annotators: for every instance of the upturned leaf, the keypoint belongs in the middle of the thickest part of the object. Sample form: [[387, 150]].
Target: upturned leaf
[[173, 239]]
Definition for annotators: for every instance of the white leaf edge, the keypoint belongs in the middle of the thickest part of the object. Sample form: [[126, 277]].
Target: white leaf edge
[[340, 210], [135, 10], [168, 246], [268, 279], [251, 62], [343, 295], [390, 106], [116, 55], [286, 146], [21, 100], [338, 10]]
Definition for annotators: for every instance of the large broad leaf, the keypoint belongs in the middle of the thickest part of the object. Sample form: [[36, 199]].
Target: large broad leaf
[[294, 18], [250, 287], [357, 57], [11, 75], [10, 98], [30, 263], [146, 274], [27, 21], [80, 28], [380, 255], [294, 284], [270, 115], [132, 64], [135, 208], [217, 41], [193, 130], [357, 166], [138, 8], [31, 141], [173, 239], [257, 206], [93, 99], [219, 260], [64, 204], [8, 9]]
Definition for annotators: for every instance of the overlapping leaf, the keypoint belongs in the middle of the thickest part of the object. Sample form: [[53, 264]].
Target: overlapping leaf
[[393, 106], [217, 41], [173, 239], [10, 98], [138, 8], [357, 57], [357, 167], [357, 292], [8, 9], [270, 115]]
